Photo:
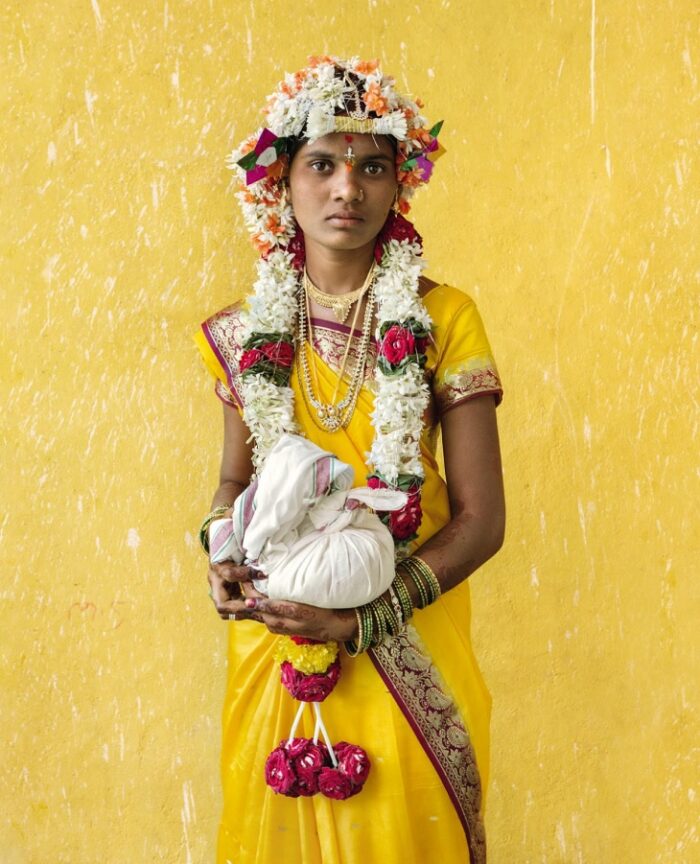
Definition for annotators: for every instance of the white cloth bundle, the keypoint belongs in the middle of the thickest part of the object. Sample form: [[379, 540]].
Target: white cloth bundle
[[311, 535]]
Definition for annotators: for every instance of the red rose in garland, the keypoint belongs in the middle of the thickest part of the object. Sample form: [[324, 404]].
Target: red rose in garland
[[310, 688], [281, 353], [404, 523], [250, 358], [333, 783], [353, 762], [397, 344], [279, 773], [302, 766], [297, 249], [396, 227]]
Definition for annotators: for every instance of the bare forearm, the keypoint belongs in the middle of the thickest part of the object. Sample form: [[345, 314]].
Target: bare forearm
[[461, 547], [227, 493]]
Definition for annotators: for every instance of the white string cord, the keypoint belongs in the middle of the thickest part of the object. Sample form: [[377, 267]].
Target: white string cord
[[320, 724], [297, 719]]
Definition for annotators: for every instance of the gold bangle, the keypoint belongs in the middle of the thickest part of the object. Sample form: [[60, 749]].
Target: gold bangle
[[354, 648], [208, 519]]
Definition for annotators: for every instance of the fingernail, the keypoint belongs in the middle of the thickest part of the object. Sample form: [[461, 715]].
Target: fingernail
[[251, 603]]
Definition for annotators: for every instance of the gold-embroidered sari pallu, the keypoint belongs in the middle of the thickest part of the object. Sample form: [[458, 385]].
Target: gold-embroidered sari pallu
[[417, 704]]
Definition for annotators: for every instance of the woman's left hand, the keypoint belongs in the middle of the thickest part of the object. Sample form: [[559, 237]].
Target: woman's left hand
[[292, 619]]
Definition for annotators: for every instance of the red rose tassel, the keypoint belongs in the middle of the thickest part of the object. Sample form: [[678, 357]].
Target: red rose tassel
[[304, 766]]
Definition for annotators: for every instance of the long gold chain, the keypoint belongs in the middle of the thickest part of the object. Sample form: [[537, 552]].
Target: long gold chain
[[339, 303], [346, 353], [332, 416]]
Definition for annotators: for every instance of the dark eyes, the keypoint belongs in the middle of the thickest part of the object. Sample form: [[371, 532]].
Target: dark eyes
[[374, 168], [325, 166]]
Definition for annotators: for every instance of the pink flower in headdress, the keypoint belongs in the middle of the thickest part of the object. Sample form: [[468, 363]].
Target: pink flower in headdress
[[264, 160]]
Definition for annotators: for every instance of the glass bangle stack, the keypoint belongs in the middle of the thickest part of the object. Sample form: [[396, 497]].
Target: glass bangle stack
[[386, 616]]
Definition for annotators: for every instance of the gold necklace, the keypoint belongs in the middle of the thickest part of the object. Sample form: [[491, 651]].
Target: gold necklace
[[332, 416], [339, 303]]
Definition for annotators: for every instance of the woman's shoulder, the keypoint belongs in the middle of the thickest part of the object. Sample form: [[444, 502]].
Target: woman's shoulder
[[442, 301], [436, 293]]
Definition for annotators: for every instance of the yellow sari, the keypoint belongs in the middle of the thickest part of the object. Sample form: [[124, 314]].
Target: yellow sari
[[417, 705]]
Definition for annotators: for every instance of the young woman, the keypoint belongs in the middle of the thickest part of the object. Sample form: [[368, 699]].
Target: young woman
[[344, 341]]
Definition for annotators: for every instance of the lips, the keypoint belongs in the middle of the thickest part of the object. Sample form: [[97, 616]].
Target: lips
[[345, 217]]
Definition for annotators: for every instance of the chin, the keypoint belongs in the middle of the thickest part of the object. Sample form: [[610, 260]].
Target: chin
[[348, 241]]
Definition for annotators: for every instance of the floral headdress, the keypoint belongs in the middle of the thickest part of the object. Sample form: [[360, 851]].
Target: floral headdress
[[329, 95], [351, 96]]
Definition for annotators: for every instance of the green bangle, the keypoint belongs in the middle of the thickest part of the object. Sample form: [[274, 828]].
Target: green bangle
[[392, 621], [404, 596], [366, 632], [431, 579], [415, 574]]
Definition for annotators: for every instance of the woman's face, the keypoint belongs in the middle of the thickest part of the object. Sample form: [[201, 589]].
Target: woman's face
[[341, 188]]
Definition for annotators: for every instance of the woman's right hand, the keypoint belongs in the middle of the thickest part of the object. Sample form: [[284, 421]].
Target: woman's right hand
[[225, 580]]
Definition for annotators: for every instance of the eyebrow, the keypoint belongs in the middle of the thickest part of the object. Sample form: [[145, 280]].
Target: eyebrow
[[324, 154]]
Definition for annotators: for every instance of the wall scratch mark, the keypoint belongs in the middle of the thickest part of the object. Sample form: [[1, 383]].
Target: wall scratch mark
[[592, 65]]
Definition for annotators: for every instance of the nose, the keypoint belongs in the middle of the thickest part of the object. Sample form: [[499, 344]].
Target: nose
[[347, 187]]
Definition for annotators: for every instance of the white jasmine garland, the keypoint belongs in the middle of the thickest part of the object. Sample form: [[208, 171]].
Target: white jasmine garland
[[399, 406], [268, 413]]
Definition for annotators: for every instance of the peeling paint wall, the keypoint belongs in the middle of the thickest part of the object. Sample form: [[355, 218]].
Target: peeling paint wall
[[567, 205]]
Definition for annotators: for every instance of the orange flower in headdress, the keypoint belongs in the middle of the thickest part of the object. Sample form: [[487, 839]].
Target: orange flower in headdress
[[375, 101], [412, 178], [318, 61], [366, 67]]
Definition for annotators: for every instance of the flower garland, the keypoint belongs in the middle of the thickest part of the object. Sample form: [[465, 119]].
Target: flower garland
[[307, 766], [333, 95]]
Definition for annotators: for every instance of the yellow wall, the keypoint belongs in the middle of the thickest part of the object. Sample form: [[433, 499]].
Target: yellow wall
[[567, 204]]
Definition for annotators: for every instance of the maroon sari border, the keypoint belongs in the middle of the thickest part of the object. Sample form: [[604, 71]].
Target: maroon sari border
[[429, 752], [468, 804], [340, 328], [497, 393], [209, 336]]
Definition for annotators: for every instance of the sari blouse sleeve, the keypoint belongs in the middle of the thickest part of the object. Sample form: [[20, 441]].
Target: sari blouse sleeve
[[219, 340], [460, 362]]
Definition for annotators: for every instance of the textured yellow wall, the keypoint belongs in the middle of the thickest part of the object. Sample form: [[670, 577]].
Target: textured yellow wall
[[567, 204]]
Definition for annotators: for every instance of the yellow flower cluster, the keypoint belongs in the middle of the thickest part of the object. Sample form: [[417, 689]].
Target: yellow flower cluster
[[309, 659]]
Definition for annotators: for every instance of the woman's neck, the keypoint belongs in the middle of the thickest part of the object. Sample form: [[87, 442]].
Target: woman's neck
[[336, 271]]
